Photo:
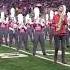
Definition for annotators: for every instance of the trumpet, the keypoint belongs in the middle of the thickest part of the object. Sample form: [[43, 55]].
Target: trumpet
[[60, 22]]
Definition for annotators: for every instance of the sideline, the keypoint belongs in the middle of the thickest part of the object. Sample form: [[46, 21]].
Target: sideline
[[38, 56]]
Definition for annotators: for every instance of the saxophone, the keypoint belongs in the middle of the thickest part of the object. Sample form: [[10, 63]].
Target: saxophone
[[59, 25]]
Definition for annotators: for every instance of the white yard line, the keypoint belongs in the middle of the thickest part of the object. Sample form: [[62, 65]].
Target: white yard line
[[39, 56], [40, 52], [12, 55], [58, 51]]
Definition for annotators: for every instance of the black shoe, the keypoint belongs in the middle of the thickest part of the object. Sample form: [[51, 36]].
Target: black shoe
[[27, 49], [33, 54], [6, 43], [68, 46], [55, 61], [64, 62], [10, 45], [0, 44], [44, 53]]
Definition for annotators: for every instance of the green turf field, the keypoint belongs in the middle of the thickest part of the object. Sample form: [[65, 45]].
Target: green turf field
[[28, 63]]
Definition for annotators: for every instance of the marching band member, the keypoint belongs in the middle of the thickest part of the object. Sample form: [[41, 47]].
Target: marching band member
[[13, 28], [29, 24], [16, 34], [68, 29], [23, 37], [59, 28], [1, 34], [4, 28], [38, 37], [46, 25], [11, 33], [20, 18], [27, 19], [12, 12], [6, 31], [51, 14], [2, 16], [36, 13], [49, 26]]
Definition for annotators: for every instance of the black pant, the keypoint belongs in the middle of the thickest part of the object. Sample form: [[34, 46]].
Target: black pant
[[67, 38], [39, 37], [23, 39], [1, 37], [59, 42], [13, 35]]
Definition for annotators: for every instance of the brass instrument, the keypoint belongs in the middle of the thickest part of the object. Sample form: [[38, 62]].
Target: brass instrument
[[60, 22]]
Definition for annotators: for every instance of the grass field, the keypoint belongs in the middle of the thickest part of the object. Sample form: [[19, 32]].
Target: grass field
[[31, 62], [50, 51]]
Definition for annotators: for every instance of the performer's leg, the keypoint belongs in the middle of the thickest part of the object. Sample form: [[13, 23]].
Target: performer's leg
[[42, 43], [25, 40], [35, 42], [63, 49], [1, 38], [57, 45], [10, 38], [20, 41], [67, 39], [6, 36], [16, 37]]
